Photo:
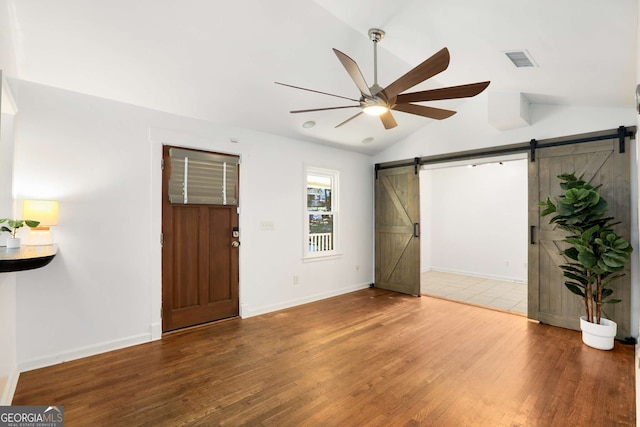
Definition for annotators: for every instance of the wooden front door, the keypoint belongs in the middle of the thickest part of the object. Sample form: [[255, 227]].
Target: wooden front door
[[199, 260], [397, 216], [600, 163]]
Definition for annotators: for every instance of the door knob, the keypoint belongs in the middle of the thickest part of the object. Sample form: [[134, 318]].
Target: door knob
[[235, 244]]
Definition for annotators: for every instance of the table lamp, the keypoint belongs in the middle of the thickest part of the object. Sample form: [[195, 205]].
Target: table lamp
[[44, 211]]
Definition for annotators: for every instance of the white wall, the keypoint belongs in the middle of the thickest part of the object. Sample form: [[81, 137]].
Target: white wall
[[476, 219], [469, 128], [426, 224], [8, 358], [7, 55], [8, 361], [101, 159]]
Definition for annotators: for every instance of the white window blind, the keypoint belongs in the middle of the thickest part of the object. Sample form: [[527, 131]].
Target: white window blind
[[198, 177]]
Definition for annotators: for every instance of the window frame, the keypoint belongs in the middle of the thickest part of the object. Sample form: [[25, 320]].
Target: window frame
[[334, 175]]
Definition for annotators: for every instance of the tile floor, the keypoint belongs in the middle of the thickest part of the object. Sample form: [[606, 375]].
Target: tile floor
[[500, 294]]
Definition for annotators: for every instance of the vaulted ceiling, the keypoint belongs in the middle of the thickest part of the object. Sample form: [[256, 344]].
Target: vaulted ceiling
[[218, 60]]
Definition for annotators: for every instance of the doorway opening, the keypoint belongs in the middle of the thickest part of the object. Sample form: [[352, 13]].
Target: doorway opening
[[474, 217]]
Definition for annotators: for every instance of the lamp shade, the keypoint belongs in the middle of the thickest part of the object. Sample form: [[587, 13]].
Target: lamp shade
[[44, 211]]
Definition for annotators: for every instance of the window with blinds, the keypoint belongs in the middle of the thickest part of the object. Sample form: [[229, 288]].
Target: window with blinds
[[198, 177]]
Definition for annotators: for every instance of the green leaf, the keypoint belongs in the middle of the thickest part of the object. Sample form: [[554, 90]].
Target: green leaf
[[615, 260], [574, 288], [587, 235], [571, 253], [587, 259], [32, 223], [600, 208], [621, 244], [565, 209], [576, 241], [15, 223], [548, 211], [581, 279]]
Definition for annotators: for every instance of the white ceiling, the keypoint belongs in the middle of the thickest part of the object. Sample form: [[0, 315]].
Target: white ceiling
[[218, 60]]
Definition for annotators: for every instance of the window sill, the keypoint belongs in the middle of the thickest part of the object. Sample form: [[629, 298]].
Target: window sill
[[318, 258]]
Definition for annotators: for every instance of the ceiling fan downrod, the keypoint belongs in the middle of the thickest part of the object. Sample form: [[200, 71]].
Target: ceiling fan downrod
[[375, 35]]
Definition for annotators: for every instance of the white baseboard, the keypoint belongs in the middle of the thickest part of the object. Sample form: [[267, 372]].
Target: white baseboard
[[78, 353], [156, 331], [10, 387], [476, 274], [250, 312]]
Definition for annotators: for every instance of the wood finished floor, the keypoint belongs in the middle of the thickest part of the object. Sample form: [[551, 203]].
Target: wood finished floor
[[368, 358]]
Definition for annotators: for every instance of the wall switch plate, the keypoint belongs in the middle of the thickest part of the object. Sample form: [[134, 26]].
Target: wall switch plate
[[266, 225]]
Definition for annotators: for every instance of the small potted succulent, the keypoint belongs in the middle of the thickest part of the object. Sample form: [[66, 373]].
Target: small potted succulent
[[596, 255], [12, 227]]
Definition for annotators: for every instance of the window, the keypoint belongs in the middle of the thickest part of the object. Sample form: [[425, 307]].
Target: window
[[321, 212], [203, 178]]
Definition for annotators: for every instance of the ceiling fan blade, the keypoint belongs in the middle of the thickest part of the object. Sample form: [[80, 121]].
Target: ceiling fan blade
[[354, 71], [316, 91], [324, 109], [427, 69], [349, 119], [388, 121], [453, 92], [421, 110]]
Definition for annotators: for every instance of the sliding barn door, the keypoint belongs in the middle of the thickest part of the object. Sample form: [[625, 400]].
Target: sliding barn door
[[600, 163], [397, 263]]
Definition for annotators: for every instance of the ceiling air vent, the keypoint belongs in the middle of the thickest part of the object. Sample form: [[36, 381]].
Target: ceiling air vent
[[521, 58]]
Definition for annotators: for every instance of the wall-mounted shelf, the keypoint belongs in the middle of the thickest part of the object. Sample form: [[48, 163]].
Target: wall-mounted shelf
[[26, 257]]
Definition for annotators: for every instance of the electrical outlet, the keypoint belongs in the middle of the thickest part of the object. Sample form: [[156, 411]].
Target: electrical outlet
[[296, 279]]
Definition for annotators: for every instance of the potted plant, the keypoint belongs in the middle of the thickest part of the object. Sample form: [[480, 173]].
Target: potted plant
[[596, 254], [13, 226]]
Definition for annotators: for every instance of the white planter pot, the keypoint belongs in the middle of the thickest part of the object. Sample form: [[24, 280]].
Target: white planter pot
[[13, 243], [598, 336]]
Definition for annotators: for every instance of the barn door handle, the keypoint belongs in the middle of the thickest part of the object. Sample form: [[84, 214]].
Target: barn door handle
[[416, 229], [532, 234]]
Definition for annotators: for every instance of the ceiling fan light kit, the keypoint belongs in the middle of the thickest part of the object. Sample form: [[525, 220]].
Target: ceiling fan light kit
[[375, 110], [377, 101]]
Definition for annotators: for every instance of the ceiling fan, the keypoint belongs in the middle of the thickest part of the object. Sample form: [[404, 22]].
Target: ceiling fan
[[378, 101]]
